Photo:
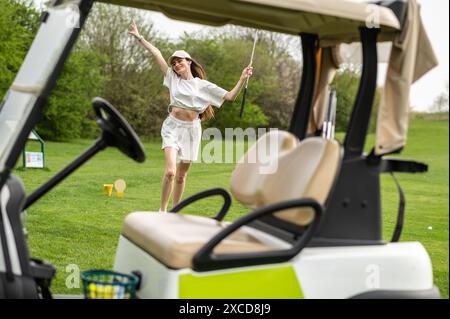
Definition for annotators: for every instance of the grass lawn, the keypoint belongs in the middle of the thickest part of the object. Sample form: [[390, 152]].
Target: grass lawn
[[76, 223]]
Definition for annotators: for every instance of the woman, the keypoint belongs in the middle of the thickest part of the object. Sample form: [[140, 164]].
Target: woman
[[191, 100]]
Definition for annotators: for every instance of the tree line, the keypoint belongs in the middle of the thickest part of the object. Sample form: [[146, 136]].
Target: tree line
[[107, 62]]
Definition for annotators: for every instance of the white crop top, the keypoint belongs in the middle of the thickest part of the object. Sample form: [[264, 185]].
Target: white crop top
[[195, 94]]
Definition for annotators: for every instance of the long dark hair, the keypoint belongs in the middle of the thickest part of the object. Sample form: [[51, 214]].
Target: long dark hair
[[197, 71]]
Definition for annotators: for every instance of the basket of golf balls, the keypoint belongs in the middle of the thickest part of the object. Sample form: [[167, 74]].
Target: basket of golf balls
[[104, 284]]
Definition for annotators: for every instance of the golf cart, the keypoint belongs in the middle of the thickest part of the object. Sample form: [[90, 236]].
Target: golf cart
[[316, 226]]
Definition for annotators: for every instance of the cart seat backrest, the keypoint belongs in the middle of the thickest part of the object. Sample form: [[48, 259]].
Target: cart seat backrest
[[304, 170], [308, 171], [248, 172]]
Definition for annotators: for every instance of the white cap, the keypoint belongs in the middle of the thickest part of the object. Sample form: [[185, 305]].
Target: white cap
[[179, 54]]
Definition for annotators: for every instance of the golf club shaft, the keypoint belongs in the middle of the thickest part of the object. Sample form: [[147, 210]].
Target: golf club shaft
[[329, 123], [246, 81], [253, 54]]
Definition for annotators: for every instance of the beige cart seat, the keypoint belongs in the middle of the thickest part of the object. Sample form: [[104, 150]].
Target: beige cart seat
[[259, 160], [174, 239], [304, 169]]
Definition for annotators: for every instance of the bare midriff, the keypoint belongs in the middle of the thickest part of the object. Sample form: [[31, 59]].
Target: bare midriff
[[183, 114]]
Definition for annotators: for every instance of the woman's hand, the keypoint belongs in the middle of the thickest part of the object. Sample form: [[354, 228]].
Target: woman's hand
[[247, 72], [134, 30], [150, 47]]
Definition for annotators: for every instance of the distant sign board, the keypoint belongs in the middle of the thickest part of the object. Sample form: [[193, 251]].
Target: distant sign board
[[34, 159]]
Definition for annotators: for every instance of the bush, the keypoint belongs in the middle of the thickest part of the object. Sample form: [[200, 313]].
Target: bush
[[18, 25], [68, 113], [228, 116]]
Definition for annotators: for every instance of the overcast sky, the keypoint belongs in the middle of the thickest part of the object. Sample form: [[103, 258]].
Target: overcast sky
[[435, 15]]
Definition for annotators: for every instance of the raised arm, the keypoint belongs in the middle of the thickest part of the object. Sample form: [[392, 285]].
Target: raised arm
[[150, 47], [246, 73]]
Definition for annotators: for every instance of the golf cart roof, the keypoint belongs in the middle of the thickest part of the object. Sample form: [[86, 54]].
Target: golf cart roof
[[332, 20]]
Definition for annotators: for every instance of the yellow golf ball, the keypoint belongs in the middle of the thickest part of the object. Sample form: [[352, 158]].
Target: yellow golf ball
[[109, 292], [100, 291], [92, 288]]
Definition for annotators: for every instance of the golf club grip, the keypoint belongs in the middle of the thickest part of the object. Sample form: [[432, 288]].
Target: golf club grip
[[243, 102]]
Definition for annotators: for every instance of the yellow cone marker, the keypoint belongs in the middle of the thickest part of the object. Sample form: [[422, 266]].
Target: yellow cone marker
[[108, 189], [120, 186]]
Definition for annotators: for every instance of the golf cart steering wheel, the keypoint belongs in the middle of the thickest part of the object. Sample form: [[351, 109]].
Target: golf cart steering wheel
[[116, 131]]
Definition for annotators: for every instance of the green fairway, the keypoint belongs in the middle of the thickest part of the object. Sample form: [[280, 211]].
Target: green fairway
[[76, 223]]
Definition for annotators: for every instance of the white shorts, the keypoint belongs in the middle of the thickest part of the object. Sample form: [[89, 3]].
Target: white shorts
[[185, 136]]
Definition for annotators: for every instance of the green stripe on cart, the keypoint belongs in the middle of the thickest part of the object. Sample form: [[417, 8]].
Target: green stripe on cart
[[279, 282]]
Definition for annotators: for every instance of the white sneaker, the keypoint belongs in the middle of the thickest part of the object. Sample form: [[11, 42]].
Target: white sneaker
[[162, 211]]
